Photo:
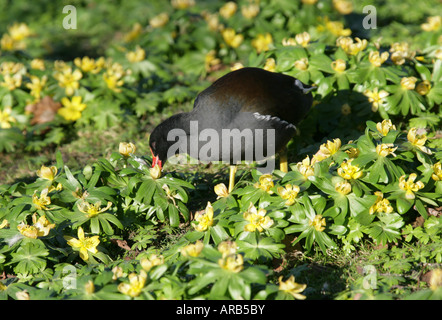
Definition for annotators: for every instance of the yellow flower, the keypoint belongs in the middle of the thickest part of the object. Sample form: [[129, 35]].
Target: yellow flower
[[92, 210], [155, 172], [12, 82], [41, 202], [159, 21], [221, 190], [182, 4], [210, 60], [400, 52], [4, 224], [305, 167], [265, 183], [385, 149], [338, 65], [8, 44], [38, 64], [289, 193], [112, 76], [318, 223], [303, 39], [262, 42], [291, 287], [227, 248], [410, 186], [336, 28], [343, 6], [152, 261], [233, 263], [257, 218], [309, 1], [327, 149], [204, 219], [289, 42], [135, 285], [87, 64], [136, 56], [250, 11], [376, 58], [381, 204], [127, 148], [301, 64], [212, 21], [376, 97], [237, 66], [193, 250], [136, 31], [436, 279], [89, 287], [47, 173], [228, 9], [6, 119], [355, 47], [343, 187], [9, 67], [270, 65], [71, 109], [69, 80], [22, 295], [40, 227], [437, 171], [423, 87], [408, 83], [83, 244], [352, 153], [36, 86], [19, 31], [349, 171], [417, 138], [433, 23], [385, 126]]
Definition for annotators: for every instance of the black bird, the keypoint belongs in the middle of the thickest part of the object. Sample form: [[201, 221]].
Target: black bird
[[248, 114]]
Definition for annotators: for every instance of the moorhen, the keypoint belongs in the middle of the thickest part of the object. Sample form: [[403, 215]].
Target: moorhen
[[247, 114]]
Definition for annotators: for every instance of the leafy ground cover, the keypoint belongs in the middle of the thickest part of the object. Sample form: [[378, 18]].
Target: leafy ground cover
[[83, 215]]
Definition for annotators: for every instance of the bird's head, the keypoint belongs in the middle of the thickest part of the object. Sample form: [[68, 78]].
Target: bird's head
[[158, 148]]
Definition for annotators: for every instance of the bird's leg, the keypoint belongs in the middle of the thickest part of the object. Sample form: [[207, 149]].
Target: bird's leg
[[283, 165], [232, 177]]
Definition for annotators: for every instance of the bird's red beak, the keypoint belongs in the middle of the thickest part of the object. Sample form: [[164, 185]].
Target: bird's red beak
[[156, 161]]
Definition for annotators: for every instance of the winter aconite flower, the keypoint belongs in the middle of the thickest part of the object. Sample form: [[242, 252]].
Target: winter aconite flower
[[159, 20], [250, 11], [227, 248], [87, 64], [155, 172], [6, 119], [182, 4], [113, 76], [291, 287], [400, 52], [71, 110], [83, 244], [36, 86], [376, 97], [408, 83], [318, 223], [376, 58], [257, 219], [433, 23], [410, 186], [386, 149], [327, 149], [233, 263], [40, 228], [301, 64], [204, 218], [385, 126], [228, 9], [68, 79], [92, 210], [303, 39], [11, 82], [137, 55], [437, 171], [126, 149], [305, 167], [417, 138], [262, 42], [343, 6], [47, 173], [350, 46], [193, 249], [436, 279], [381, 204], [338, 65], [270, 65], [41, 202], [423, 88], [343, 187], [221, 190], [265, 183], [349, 171], [135, 285], [289, 193], [231, 38], [152, 261]]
